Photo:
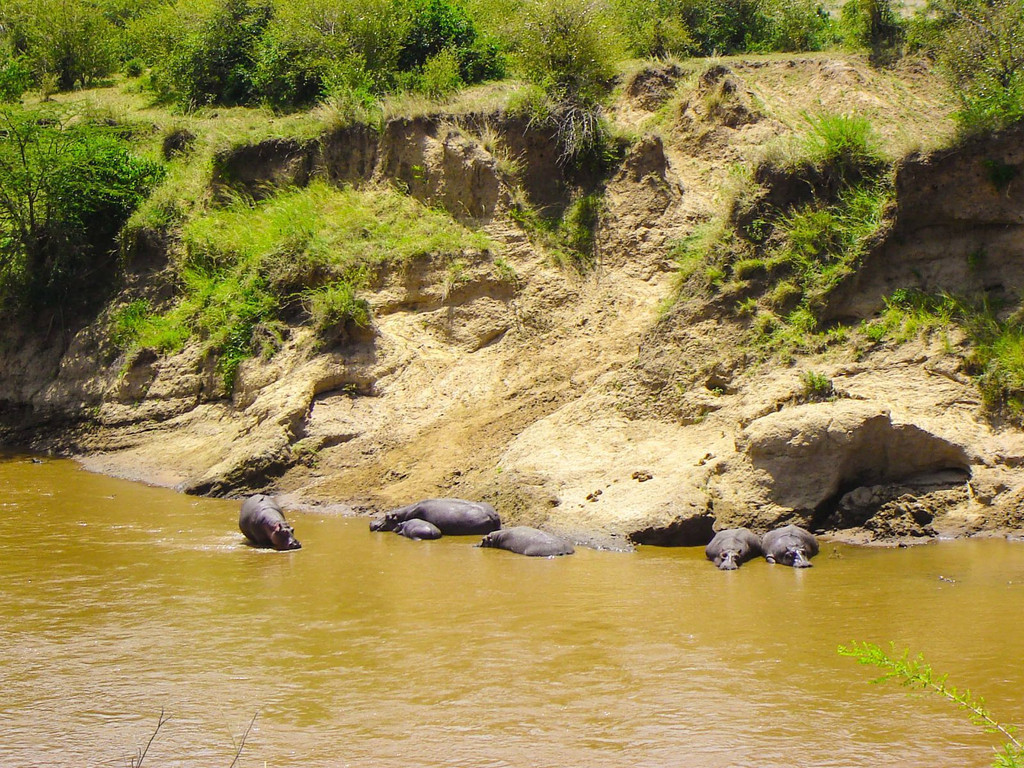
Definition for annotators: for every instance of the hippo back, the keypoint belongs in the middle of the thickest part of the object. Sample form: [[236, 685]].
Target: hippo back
[[418, 529], [733, 545], [262, 521], [453, 517], [524, 540], [790, 538]]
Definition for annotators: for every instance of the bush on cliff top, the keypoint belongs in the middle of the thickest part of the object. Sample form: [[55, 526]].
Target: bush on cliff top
[[67, 186]]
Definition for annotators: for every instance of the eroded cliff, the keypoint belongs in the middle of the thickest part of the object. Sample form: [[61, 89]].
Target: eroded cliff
[[587, 402]]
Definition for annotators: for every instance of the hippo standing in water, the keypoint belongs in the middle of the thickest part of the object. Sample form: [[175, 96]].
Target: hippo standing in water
[[732, 547], [790, 545], [453, 517], [417, 530], [524, 540], [263, 523]]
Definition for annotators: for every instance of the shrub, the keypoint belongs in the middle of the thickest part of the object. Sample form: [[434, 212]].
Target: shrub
[[568, 47], [70, 41], [985, 68], [793, 25], [440, 76], [444, 27], [816, 386], [872, 24], [15, 78], [68, 187], [212, 58]]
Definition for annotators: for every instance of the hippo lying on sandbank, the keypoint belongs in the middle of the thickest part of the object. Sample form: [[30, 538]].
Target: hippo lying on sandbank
[[418, 530], [453, 517], [263, 523], [524, 540], [790, 545], [732, 547]]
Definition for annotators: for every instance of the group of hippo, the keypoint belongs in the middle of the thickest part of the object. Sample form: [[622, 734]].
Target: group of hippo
[[264, 524], [434, 518], [789, 545]]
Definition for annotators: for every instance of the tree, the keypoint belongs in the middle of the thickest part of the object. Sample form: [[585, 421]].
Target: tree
[[66, 189], [69, 40]]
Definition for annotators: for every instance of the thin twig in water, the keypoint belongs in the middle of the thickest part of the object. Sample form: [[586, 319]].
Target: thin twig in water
[[245, 735], [136, 762]]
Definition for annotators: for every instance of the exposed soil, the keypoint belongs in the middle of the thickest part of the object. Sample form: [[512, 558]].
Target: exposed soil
[[577, 402]]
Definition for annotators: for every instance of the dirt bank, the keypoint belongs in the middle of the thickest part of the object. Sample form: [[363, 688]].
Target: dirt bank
[[579, 402]]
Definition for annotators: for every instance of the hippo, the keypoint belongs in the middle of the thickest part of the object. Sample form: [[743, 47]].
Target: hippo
[[790, 545], [417, 529], [732, 547], [524, 540], [453, 517], [263, 523]]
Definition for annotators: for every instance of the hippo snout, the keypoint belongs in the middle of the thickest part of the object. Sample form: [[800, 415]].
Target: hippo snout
[[728, 561], [800, 560]]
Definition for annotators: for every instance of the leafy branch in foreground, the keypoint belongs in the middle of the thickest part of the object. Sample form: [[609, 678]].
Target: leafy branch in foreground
[[917, 673]]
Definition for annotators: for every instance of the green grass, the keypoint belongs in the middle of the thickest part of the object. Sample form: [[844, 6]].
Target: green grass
[[996, 356], [248, 271], [782, 263], [570, 238]]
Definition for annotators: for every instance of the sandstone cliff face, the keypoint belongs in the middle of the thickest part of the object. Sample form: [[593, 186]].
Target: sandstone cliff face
[[959, 225], [571, 401]]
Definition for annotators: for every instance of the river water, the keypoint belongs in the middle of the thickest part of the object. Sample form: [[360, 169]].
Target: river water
[[119, 601]]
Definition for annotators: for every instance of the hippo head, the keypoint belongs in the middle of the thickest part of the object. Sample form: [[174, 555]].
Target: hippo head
[[488, 540], [728, 560], [282, 537], [795, 556], [386, 523]]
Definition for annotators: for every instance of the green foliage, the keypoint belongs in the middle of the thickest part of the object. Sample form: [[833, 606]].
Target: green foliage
[[569, 48], [15, 77], [215, 62], [336, 304], [1001, 174], [794, 25], [439, 27], [707, 28], [816, 386], [795, 255], [917, 673], [570, 239], [294, 53], [127, 322], [440, 76], [66, 189], [248, 271], [843, 147], [70, 41], [996, 359], [985, 66], [872, 24]]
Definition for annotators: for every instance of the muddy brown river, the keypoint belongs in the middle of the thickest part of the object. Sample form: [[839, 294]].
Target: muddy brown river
[[366, 649]]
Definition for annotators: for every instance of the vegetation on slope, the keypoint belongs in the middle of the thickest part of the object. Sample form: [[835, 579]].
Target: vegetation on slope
[[778, 263], [243, 272]]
